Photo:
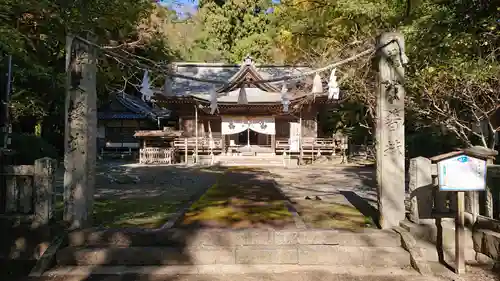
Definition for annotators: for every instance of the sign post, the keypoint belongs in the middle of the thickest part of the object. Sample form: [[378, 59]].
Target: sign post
[[461, 173]]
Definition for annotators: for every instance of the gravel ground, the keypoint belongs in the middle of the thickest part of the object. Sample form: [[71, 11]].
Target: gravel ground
[[143, 196]]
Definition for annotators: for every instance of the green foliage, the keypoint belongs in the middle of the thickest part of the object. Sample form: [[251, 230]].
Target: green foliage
[[349, 119], [453, 78], [28, 148], [227, 31], [34, 33], [453, 75]]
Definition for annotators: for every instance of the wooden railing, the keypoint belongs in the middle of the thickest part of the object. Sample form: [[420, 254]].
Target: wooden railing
[[29, 191], [156, 155], [282, 145], [204, 144], [316, 145]]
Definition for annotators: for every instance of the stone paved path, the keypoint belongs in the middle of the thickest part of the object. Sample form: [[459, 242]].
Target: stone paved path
[[337, 194], [324, 181]]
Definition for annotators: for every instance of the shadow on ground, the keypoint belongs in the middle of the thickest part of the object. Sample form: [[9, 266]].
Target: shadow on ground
[[332, 197]]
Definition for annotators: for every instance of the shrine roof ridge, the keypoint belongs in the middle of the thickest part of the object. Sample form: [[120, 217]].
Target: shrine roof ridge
[[224, 64], [234, 75]]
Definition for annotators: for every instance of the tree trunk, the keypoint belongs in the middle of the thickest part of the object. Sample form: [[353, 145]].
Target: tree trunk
[[80, 133]]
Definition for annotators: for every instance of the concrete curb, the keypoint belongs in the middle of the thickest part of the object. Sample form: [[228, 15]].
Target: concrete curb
[[299, 222], [229, 238], [226, 269], [416, 256], [180, 213], [48, 258]]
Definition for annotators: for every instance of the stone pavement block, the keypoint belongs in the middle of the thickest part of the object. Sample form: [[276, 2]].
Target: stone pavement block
[[318, 237], [328, 255], [286, 237], [334, 237], [266, 255], [366, 256], [218, 238], [253, 237], [213, 256]]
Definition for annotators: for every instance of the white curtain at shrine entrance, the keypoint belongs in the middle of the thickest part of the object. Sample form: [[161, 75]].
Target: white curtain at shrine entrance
[[263, 125], [237, 124], [233, 125]]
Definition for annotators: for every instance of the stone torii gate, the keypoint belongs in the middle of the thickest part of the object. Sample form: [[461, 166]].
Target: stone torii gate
[[390, 130], [81, 126]]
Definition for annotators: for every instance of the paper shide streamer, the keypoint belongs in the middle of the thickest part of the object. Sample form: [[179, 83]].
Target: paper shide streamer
[[317, 87], [213, 101], [333, 87], [167, 86], [146, 91], [242, 97], [285, 100]]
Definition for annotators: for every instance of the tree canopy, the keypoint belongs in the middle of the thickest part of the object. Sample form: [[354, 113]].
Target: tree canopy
[[452, 78], [34, 33]]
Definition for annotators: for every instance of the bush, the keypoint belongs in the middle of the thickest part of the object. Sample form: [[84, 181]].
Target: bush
[[27, 148]]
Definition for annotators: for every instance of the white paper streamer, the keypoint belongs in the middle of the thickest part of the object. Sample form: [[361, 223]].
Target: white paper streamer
[[242, 97], [333, 87], [146, 91], [285, 100], [167, 87], [213, 101], [317, 87]]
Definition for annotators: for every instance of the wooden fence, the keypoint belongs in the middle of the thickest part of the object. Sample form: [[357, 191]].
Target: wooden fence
[[156, 155], [29, 191]]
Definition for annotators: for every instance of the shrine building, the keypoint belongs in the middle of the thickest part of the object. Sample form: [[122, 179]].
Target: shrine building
[[247, 118]]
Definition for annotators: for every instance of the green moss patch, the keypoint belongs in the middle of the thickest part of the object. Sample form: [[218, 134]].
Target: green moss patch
[[240, 199], [332, 215], [146, 212]]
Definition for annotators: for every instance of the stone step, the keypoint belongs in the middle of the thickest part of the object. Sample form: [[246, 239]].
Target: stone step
[[428, 232], [229, 238], [239, 160], [235, 272], [284, 254], [430, 253]]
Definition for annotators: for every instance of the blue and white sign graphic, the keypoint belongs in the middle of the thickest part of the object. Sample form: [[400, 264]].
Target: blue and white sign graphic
[[462, 173]]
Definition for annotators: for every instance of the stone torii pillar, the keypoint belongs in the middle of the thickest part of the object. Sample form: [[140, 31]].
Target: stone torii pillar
[[80, 133], [390, 138]]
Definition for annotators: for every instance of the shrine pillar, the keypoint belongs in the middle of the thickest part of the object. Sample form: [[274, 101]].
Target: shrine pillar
[[390, 138]]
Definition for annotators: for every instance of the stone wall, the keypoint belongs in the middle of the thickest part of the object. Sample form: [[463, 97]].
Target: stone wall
[[26, 219]]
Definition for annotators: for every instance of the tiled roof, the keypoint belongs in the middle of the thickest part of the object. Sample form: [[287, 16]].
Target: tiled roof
[[224, 72], [254, 95], [120, 115], [138, 106]]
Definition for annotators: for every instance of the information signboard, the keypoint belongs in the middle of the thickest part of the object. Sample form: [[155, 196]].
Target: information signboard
[[462, 173]]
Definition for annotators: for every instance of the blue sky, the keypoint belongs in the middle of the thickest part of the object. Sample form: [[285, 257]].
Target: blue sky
[[181, 6]]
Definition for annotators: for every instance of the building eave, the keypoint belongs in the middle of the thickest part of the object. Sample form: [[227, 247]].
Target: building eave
[[244, 77]]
